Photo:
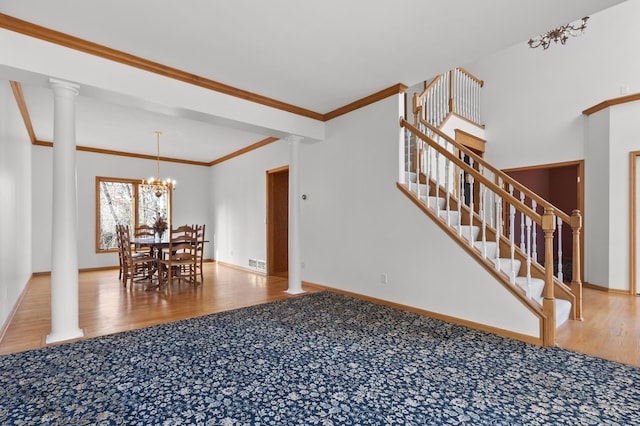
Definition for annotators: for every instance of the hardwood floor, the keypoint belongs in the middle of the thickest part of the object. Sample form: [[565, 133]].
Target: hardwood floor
[[107, 307], [611, 328]]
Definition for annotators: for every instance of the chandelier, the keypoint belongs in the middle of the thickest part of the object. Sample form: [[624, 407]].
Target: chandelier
[[560, 34], [156, 185]]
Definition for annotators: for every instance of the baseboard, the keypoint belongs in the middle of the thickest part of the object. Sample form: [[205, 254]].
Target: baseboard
[[605, 289], [100, 268], [242, 268], [442, 317], [12, 314]]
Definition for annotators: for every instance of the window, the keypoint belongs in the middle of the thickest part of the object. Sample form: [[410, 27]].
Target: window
[[125, 202]]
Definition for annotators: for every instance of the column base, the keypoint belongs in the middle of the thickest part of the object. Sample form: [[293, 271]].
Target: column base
[[295, 291], [61, 337]]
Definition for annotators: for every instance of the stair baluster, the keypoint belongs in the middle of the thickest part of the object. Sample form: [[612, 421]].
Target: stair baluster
[[471, 238], [428, 172], [522, 246], [498, 208], [437, 160], [534, 207], [559, 237], [460, 198], [483, 218], [528, 254], [447, 183], [512, 242]]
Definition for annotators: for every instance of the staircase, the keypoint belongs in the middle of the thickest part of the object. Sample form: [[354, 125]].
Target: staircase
[[511, 268], [511, 231]]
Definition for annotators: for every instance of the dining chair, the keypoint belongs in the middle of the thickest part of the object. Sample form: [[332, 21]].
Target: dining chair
[[144, 231], [136, 265], [179, 258], [199, 250], [119, 231]]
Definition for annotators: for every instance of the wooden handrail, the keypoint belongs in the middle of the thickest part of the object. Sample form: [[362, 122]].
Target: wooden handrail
[[476, 175], [471, 76], [430, 86], [499, 173], [417, 99]]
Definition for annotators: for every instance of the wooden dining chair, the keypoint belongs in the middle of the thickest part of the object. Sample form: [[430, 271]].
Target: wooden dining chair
[[136, 265], [199, 250], [144, 231], [119, 230], [179, 258]]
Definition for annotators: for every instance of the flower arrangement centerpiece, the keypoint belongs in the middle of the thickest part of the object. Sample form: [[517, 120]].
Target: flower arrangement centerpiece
[[160, 225]]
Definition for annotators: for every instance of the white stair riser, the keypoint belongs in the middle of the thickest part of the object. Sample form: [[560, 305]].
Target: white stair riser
[[453, 216], [433, 202], [489, 246], [536, 284], [463, 230]]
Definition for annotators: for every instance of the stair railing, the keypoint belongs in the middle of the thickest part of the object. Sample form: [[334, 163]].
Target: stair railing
[[452, 172], [454, 92]]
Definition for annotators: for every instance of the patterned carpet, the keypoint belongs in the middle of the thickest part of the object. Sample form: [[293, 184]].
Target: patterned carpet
[[317, 359]]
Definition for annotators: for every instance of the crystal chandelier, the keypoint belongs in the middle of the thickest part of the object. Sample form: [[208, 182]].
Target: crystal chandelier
[[560, 34], [156, 185]]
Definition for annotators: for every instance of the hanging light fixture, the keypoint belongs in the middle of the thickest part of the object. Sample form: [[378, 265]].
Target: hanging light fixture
[[560, 34], [156, 185]]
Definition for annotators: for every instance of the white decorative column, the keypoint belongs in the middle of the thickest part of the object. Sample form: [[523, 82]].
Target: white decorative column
[[295, 258], [64, 240]]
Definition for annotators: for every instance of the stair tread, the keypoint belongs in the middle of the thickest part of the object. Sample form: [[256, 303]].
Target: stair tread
[[537, 285]]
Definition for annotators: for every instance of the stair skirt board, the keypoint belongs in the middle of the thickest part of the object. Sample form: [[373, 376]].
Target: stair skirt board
[[488, 249]]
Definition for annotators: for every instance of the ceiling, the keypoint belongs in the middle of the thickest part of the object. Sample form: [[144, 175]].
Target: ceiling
[[316, 54]]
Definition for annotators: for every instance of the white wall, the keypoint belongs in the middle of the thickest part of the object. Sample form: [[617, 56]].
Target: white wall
[[356, 225], [238, 203], [624, 138], [611, 135], [15, 203], [190, 200], [532, 107], [533, 99], [597, 199]]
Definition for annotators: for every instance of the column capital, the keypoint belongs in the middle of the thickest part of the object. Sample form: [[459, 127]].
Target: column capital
[[294, 138], [72, 88]]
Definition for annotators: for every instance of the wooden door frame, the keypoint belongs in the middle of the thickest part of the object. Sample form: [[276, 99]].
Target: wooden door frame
[[269, 219], [580, 183], [633, 156]]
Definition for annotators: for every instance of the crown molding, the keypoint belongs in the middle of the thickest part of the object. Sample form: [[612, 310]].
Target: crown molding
[[32, 30], [396, 89], [27, 28], [244, 150]]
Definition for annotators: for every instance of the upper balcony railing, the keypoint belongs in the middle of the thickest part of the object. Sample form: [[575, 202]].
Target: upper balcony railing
[[454, 92]]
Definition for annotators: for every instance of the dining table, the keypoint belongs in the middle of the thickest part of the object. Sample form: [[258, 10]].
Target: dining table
[[155, 246]]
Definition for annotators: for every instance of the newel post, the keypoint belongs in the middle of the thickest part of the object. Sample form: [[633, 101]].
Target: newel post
[[576, 279], [548, 298]]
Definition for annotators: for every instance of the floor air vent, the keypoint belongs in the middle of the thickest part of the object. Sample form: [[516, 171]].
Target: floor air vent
[[259, 265]]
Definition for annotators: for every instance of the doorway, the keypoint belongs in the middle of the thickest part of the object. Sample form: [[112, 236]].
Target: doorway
[[562, 185], [278, 221]]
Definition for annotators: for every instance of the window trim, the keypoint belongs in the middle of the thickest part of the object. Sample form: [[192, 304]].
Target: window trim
[[136, 184]]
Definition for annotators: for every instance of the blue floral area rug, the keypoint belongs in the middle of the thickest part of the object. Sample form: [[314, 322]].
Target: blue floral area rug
[[317, 359]]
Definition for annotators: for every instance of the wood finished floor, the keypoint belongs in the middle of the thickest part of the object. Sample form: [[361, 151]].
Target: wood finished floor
[[611, 328]]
